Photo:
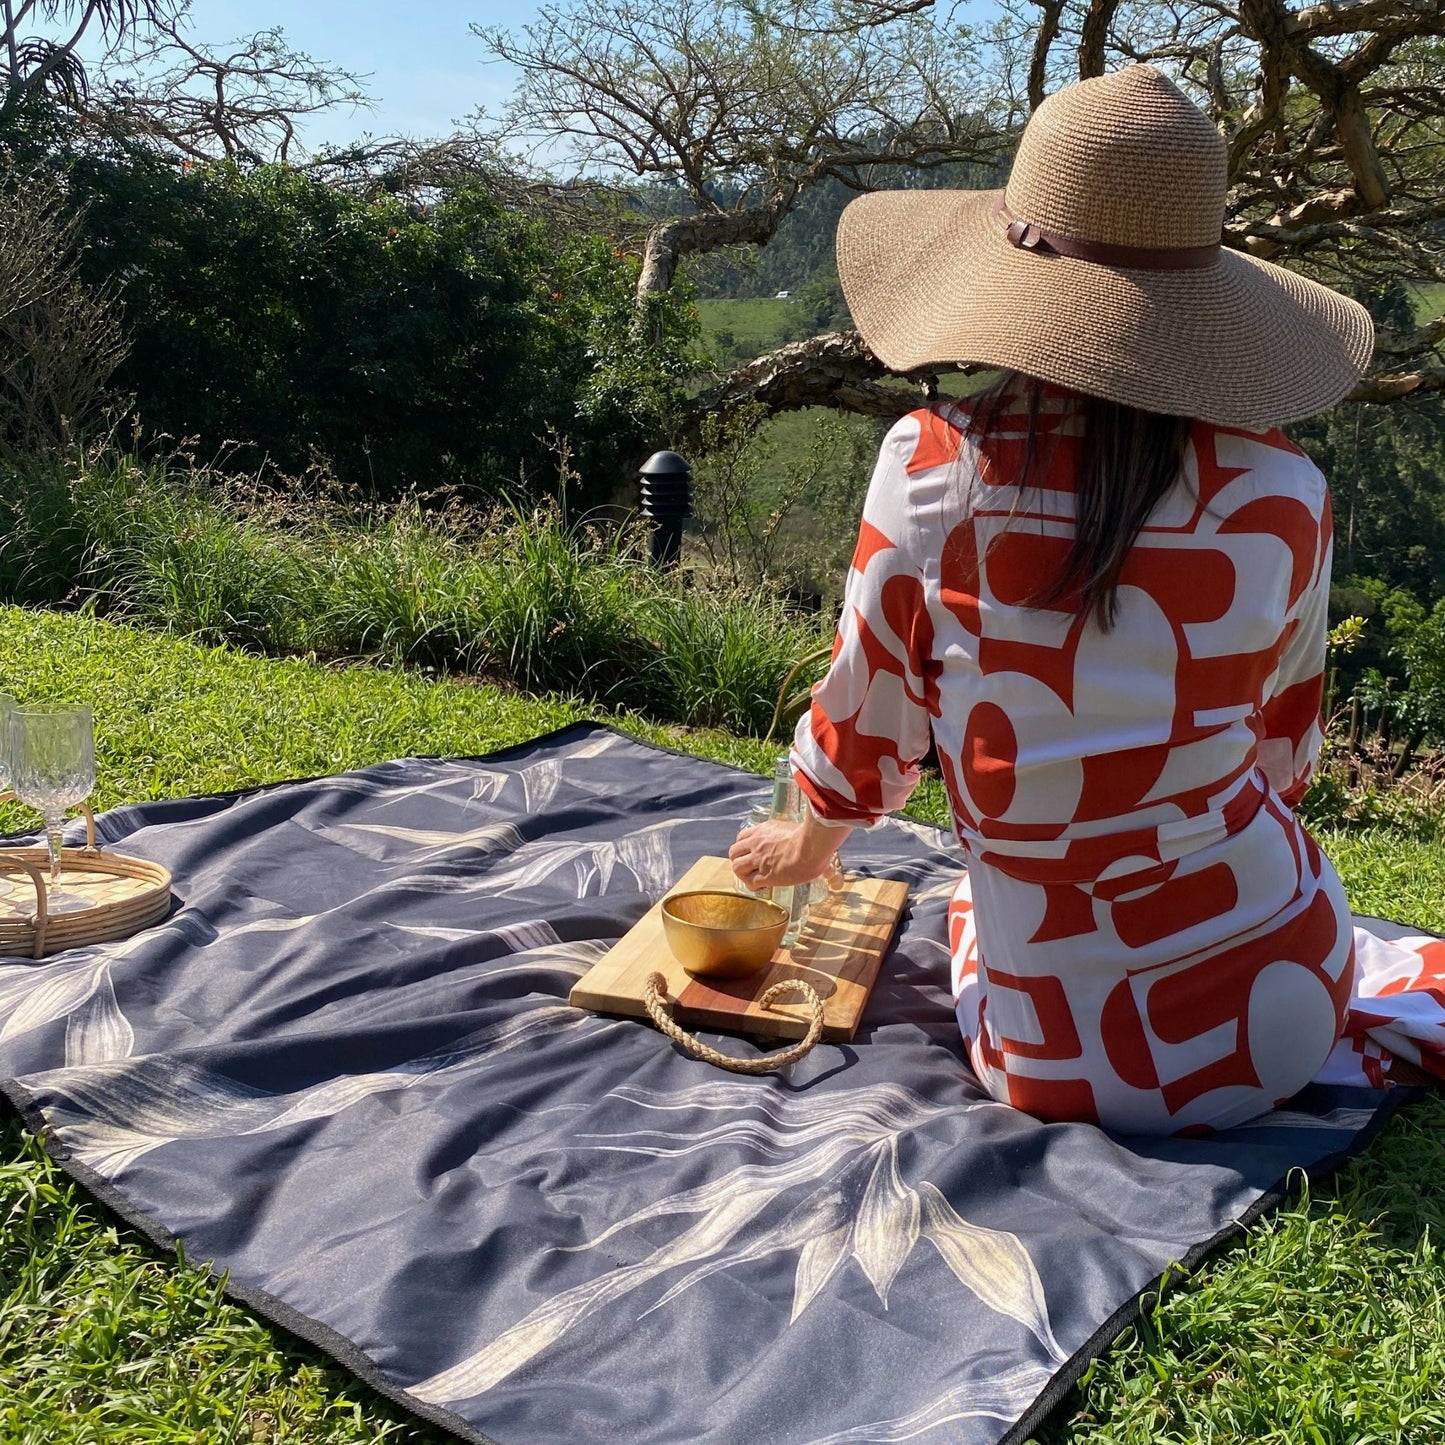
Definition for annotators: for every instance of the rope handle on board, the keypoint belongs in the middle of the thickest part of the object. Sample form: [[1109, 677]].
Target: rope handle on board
[[654, 1000]]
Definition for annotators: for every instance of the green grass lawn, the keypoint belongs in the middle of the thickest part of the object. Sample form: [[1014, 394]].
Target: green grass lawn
[[1327, 1324]]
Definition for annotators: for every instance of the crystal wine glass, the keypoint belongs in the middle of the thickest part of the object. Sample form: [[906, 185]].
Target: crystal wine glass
[[7, 706], [52, 767]]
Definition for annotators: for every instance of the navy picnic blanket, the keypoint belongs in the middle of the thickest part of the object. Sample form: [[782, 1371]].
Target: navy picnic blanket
[[345, 1070]]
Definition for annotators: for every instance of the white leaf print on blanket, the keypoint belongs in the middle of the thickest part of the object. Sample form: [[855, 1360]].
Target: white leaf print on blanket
[[834, 1192]]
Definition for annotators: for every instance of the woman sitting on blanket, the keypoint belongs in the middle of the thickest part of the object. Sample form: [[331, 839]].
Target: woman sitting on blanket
[[1100, 590]]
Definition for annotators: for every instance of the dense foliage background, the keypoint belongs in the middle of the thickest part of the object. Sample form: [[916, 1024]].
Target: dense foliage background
[[275, 321]]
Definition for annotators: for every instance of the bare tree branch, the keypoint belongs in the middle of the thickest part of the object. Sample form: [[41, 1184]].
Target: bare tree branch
[[1048, 32], [754, 111], [1347, 17], [1398, 386], [240, 101], [838, 370], [60, 340], [1424, 338], [834, 370], [1337, 88], [850, 15], [669, 241], [37, 64], [1094, 37]]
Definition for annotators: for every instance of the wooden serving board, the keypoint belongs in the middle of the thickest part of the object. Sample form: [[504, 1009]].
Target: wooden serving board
[[839, 952]]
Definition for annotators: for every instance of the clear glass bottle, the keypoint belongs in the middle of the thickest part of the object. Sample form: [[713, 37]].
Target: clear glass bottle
[[788, 805]]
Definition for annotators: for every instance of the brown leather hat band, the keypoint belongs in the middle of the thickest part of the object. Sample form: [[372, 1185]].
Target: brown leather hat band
[[1028, 237]]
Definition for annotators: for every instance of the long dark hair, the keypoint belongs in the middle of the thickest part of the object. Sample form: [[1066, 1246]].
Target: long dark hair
[[1127, 460]]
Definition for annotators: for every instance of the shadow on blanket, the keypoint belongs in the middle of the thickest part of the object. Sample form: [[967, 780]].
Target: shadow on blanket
[[345, 1070]]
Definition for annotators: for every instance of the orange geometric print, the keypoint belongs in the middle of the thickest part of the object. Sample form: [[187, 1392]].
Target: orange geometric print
[[1140, 901]]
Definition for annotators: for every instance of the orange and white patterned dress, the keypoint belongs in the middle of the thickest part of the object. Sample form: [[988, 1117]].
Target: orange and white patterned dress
[[1145, 936]]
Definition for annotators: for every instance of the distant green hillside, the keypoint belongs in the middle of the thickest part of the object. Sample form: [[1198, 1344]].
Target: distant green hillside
[[1429, 300], [802, 249], [740, 329]]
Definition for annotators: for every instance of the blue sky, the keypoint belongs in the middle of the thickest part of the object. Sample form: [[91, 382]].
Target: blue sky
[[424, 67]]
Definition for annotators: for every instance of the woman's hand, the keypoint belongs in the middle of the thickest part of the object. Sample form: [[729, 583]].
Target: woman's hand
[[777, 853]]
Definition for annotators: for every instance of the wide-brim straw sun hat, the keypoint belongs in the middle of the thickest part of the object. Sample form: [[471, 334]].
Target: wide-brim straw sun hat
[[1100, 268]]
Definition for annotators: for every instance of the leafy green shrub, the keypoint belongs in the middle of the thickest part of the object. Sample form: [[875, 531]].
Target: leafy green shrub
[[279, 320], [269, 311], [777, 499], [1333, 802]]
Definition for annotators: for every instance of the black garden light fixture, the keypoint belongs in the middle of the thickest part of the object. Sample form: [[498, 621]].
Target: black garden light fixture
[[666, 502]]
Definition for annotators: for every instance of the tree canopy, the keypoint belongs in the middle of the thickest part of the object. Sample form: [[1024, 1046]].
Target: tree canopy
[[741, 111], [1334, 116]]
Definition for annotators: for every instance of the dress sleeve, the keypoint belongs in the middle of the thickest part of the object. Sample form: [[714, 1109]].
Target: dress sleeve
[[856, 751], [1293, 733]]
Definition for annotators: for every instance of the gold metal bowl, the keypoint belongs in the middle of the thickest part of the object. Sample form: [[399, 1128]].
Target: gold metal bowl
[[715, 934]]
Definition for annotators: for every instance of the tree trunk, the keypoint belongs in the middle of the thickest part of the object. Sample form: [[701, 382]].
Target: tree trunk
[[1094, 37], [1407, 755], [1039, 61], [1270, 22], [669, 241], [836, 370], [1352, 128], [11, 51]]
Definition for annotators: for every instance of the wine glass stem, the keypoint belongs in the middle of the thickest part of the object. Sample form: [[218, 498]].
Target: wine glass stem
[[54, 841]]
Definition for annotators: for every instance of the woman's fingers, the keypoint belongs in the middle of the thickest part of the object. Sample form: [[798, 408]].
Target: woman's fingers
[[740, 855], [753, 860], [769, 854]]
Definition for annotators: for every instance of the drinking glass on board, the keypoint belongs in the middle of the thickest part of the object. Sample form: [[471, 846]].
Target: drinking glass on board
[[52, 768], [794, 898]]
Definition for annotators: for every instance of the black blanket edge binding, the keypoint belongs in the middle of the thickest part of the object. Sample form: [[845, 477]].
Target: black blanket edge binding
[[346, 1353], [350, 1357], [1069, 1374]]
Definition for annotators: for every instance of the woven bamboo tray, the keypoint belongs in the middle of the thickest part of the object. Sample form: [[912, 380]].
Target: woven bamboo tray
[[126, 895]]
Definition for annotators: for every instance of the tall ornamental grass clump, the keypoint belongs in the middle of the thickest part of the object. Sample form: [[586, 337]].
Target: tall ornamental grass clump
[[725, 657], [565, 609], [175, 548], [44, 534], [173, 551], [514, 593], [398, 586]]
